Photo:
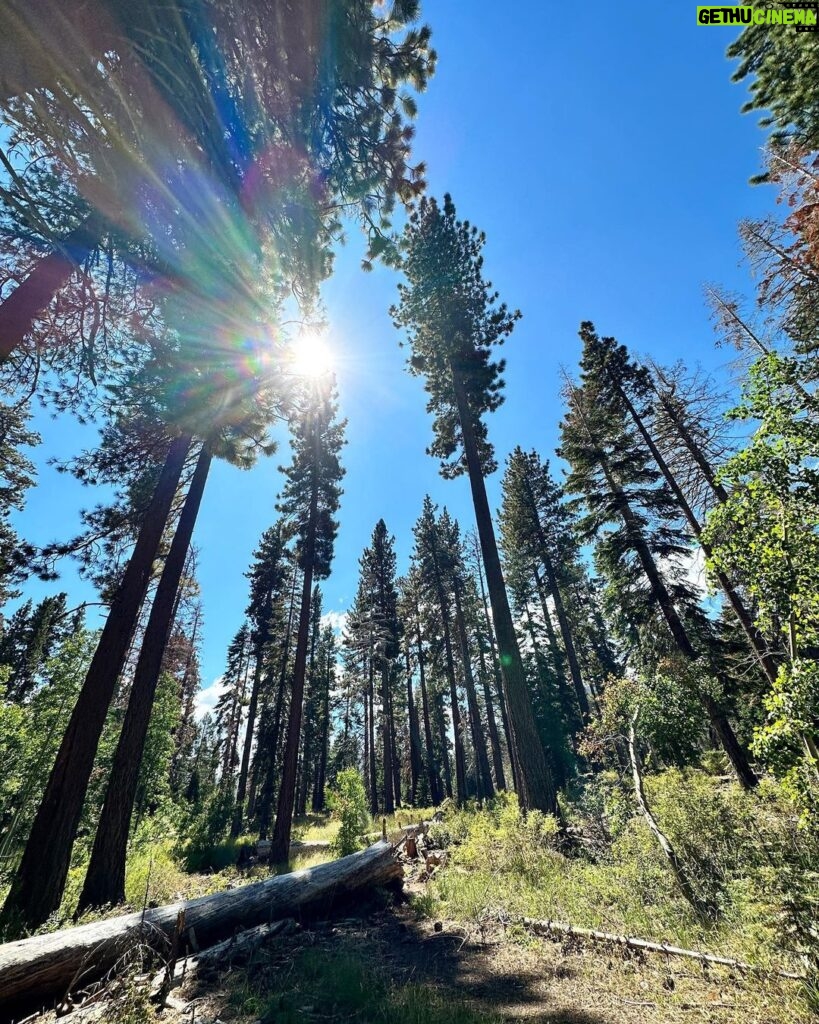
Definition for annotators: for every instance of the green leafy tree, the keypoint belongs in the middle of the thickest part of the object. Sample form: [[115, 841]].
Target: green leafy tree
[[766, 532], [348, 802]]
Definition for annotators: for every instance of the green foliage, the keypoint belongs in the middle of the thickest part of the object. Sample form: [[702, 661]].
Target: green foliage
[[766, 534], [206, 842], [745, 851], [348, 802], [341, 987], [453, 321], [30, 733], [782, 65]]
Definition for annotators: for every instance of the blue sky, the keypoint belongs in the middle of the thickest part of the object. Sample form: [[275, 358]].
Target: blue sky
[[605, 157]]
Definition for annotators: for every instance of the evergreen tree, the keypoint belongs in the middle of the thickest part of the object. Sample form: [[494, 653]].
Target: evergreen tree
[[267, 577], [310, 500], [434, 564], [16, 477], [536, 526], [453, 323], [639, 544], [379, 598]]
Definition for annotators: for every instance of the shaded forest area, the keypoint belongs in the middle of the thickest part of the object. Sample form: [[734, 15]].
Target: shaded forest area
[[608, 686]]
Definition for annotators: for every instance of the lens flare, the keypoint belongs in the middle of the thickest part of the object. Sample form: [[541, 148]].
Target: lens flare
[[310, 355]]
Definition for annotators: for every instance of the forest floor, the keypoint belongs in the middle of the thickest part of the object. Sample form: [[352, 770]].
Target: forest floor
[[385, 961]]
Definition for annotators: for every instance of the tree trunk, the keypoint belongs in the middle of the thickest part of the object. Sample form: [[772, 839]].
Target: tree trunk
[[435, 792], [573, 718], [317, 803], [386, 737], [370, 722], [457, 726], [701, 907], [484, 775], [396, 757], [45, 967], [494, 738], [241, 789], [414, 733], [442, 738], [756, 640], [280, 840], [534, 781], [51, 273], [490, 632], [560, 611], [38, 886], [105, 878], [736, 755], [266, 802]]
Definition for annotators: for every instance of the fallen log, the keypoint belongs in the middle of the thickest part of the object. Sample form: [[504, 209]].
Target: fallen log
[[43, 967], [557, 928]]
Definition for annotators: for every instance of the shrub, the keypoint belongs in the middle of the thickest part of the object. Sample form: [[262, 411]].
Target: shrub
[[348, 802]]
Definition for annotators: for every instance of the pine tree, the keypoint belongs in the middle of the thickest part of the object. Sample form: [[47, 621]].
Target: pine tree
[[230, 80], [635, 523], [16, 477], [310, 500], [380, 609], [453, 324], [536, 526], [267, 576], [434, 563]]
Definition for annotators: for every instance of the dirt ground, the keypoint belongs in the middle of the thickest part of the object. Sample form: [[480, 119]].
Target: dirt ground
[[503, 974]]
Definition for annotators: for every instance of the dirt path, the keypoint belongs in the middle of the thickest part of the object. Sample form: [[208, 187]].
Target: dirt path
[[383, 963], [504, 977]]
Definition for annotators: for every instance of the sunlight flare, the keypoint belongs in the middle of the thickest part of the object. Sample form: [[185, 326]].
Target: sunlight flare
[[311, 356]]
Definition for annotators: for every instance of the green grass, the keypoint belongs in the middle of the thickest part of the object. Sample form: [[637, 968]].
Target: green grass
[[339, 986], [739, 847]]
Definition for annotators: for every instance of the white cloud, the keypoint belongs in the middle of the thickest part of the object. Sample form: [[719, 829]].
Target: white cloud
[[207, 697], [337, 620]]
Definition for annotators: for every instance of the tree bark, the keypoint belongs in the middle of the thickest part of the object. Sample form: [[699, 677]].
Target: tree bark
[[38, 886], [434, 778], [535, 785], [45, 966], [414, 732], [560, 610], [756, 640], [105, 878], [484, 775], [51, 273], [280, 840]]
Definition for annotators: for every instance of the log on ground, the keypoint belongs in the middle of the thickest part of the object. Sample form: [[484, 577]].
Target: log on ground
[[44, 967]]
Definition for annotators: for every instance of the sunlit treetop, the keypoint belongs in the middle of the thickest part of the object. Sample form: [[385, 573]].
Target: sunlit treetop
[[215, 144], [453, 321]]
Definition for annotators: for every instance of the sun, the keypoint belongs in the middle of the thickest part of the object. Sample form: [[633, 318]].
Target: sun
[[310, 355]]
